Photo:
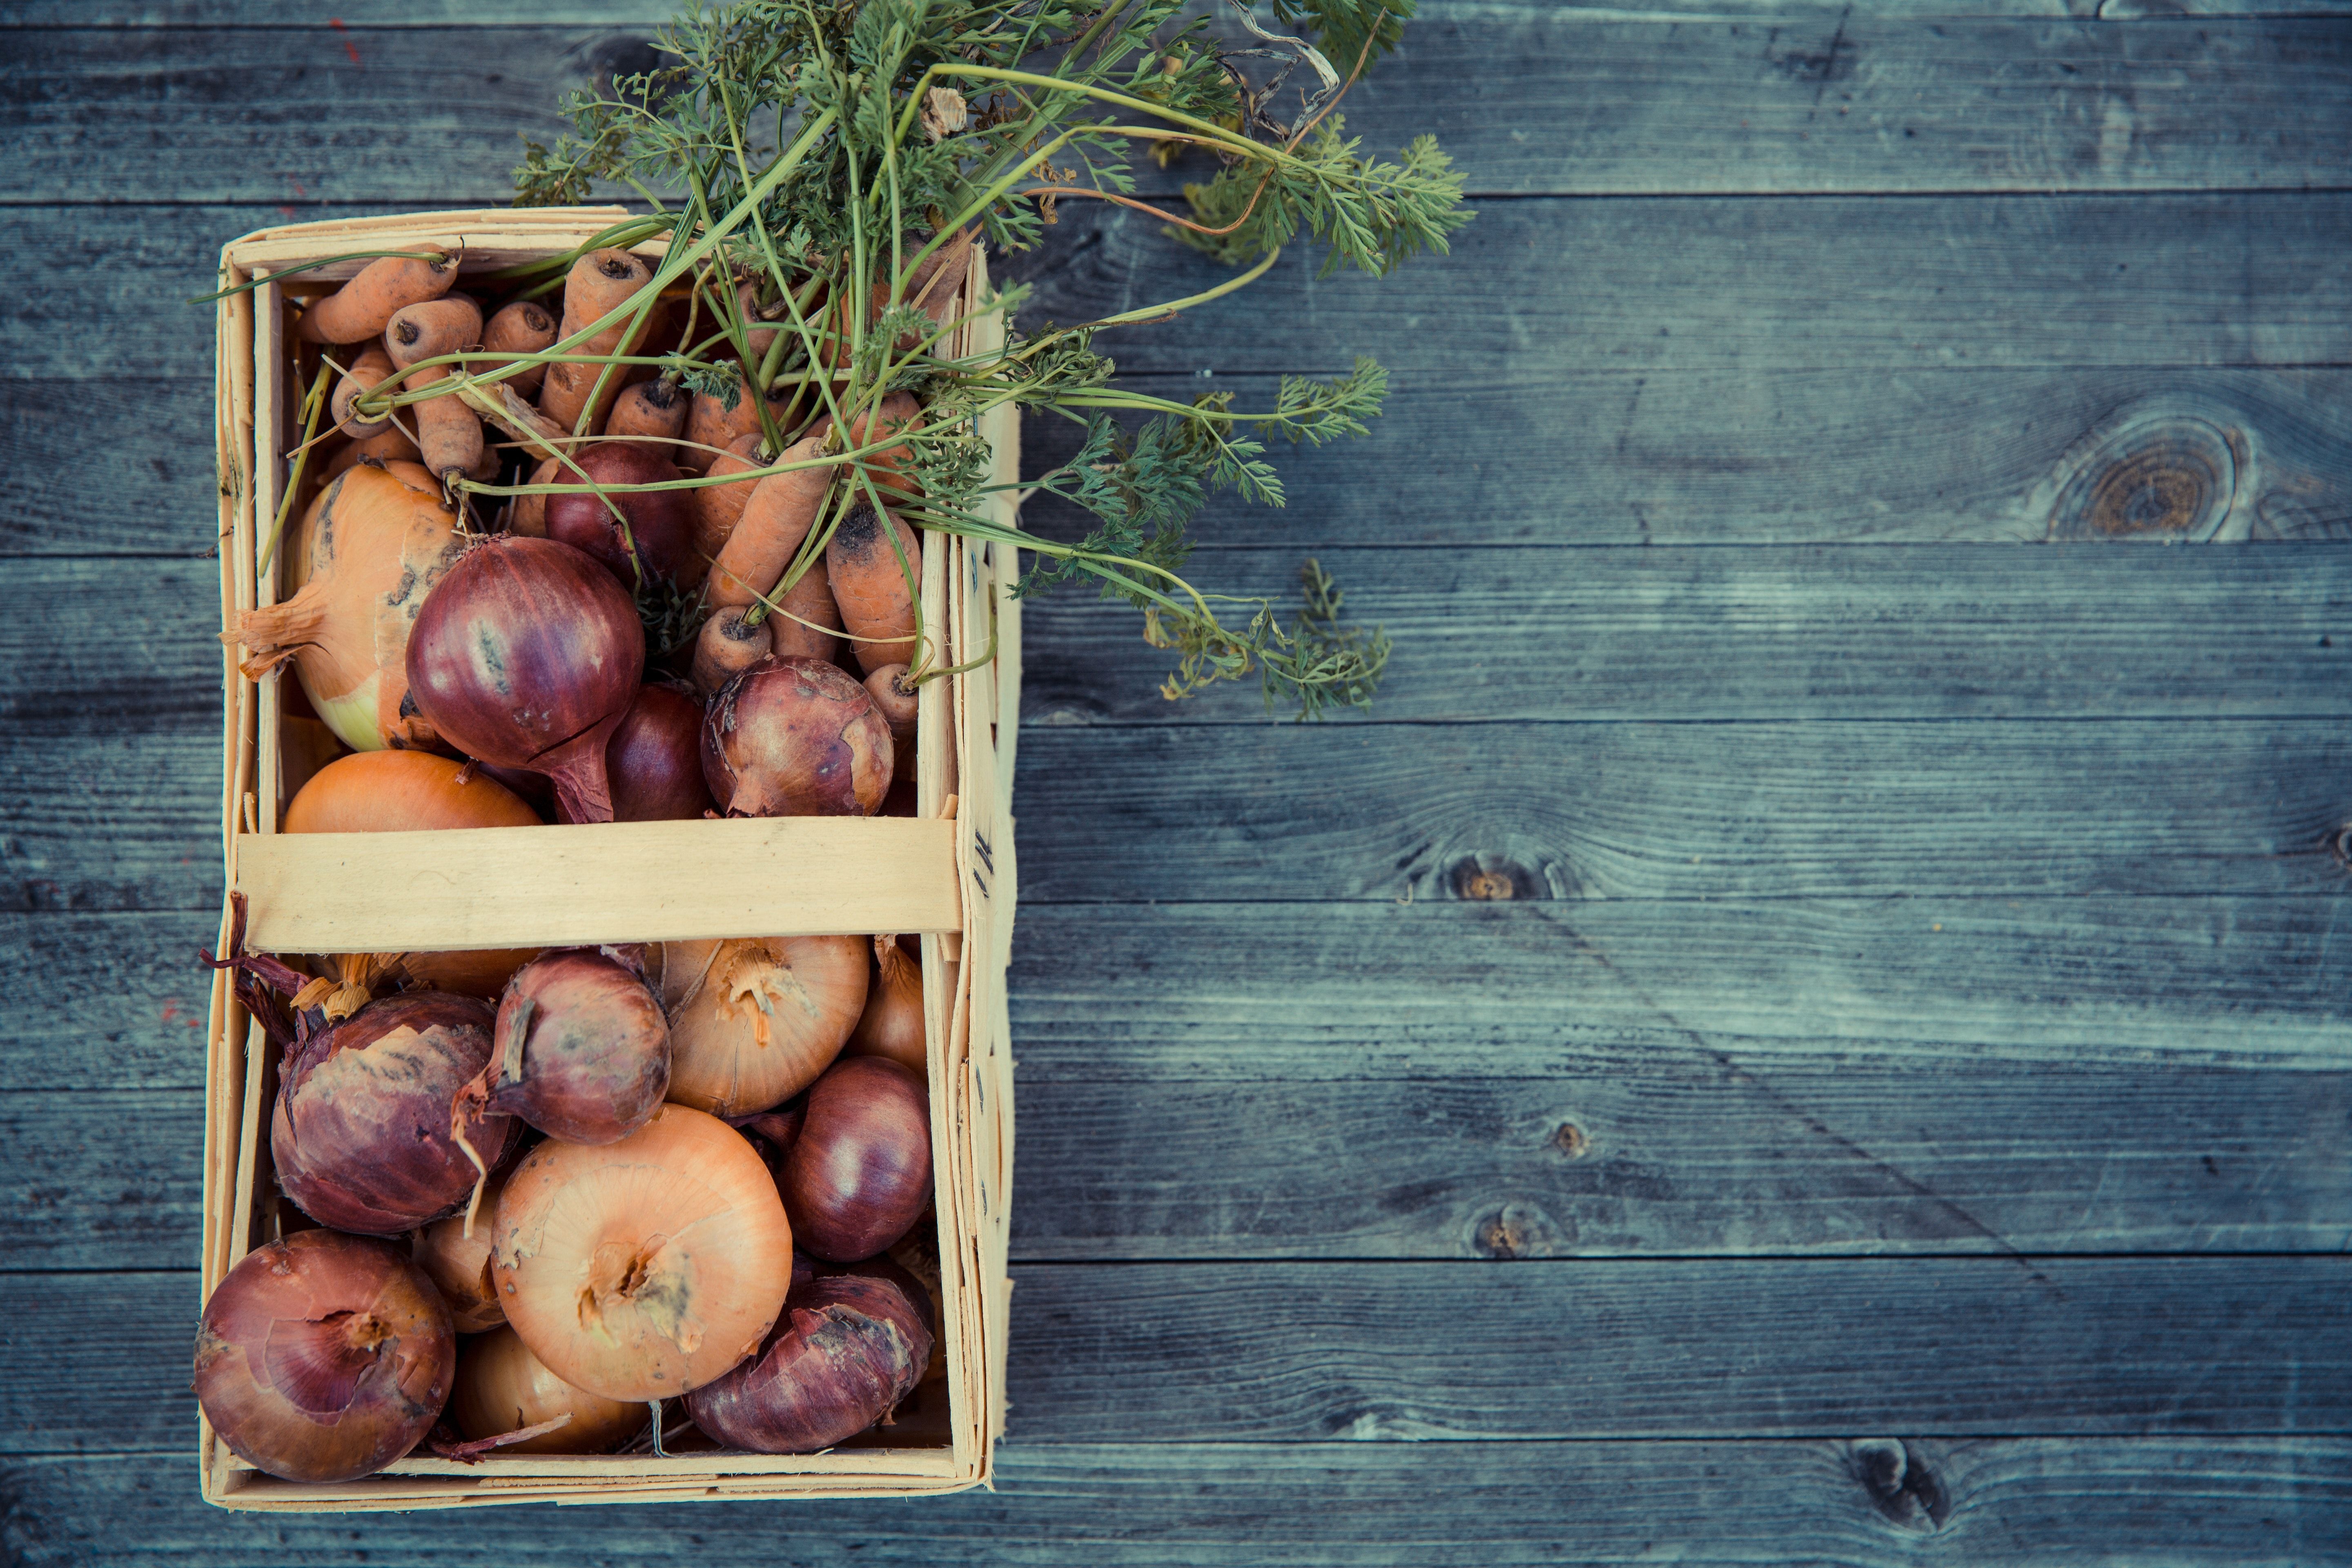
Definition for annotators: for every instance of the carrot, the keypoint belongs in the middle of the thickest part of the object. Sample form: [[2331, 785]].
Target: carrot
[[747, 298], [895, 698], [359, 309], [656, 408], [728, 646], [713, 424], [449, 432], [871, 586], [391, 445], [811, 600], [371, 367], [600, 282], [530, 511], [521, 327], [775, 519], [717, 508], [899, 412]]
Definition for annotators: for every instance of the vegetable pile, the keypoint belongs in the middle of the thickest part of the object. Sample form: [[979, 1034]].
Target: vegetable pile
[[666, 1194]]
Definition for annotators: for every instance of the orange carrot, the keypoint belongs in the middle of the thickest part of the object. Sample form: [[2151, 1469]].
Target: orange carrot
[[871, 586], [774, 521], [727, 647], [359, 309], [449, 432], [810, 601], [371, 367], [899, 412], [530, 511], [713, 424], [521, 327], [896, 698], [656, 408], [391, 445], [717, 508], [600, 282], [747, 298]]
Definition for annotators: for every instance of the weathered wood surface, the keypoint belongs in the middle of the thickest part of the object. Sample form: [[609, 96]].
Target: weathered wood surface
[[1527, 101], [1872, 1500], [2004, 1346]]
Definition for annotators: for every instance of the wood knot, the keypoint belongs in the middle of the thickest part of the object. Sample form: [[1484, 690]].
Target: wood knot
[[1899, 1483], [2340, 846], [1491, 879], [1517, 1230], [2154, 475], [1570, 1141]]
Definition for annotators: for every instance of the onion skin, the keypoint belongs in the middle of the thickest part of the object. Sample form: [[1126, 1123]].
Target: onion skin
[[794, 737], [892, 1024], [401, 792], [848, 1349], [324, 1357], [661, 522], [859, 1175], [483, 973], [460, 1266], [581, 1048], [502, 1387], [645, 1269], [752, 1023], [655, 758], [527, 654], [360, 1133]]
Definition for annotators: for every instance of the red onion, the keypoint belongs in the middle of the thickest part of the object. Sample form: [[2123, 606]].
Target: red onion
[[848, 1347], [892, 1024], [324, 1357], [860, 1172], [582, 1051], [655, 759], [794, 737], [661, 522], [361, 1132], [526, 655]]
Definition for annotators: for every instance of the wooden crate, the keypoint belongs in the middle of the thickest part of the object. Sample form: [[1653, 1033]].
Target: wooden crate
[[947, 873]]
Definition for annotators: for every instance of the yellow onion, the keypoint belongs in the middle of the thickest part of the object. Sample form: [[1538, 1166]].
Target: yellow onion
[[460, 1266], [371, 547], [753, 1021], [502, 1387], [892, 1024], [644, 1269]]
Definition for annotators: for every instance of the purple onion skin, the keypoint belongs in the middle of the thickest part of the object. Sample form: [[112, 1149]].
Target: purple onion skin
[[324, 1357], [847, 1349], [860, 1174], [795, 737], [594, 1061], [360, 1129], [526, 655], [655, 759], [661, 522]]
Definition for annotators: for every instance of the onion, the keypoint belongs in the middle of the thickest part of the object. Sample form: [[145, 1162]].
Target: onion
[[892, 1024], [645, 1269], [323, 1357], [483, 973], [753, 1022], [793, 736], [848, 1347], [361, 1132], [581, 1048], [401, 792], [526, 655], [860, 1172], [661, 522], [655, 759], [460, 1266], [371, 547], [502, 1387]]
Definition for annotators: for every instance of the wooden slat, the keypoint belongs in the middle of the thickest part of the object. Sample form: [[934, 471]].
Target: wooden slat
[[1583, 1348], [1825, 100], [1534, 288], [1876, 1501]]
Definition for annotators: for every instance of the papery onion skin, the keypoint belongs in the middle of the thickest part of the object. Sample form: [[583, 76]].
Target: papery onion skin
[[859, 1175], [459, 1265], [323, 1357], [655, 758], [360, 1133], [892, 1024], [483, 972], [401, 792], [794, 737], [526, 655], [752, 1023], [848, 1349], [502, 1387], [593, 1060], [661, 522], [645, 1269]]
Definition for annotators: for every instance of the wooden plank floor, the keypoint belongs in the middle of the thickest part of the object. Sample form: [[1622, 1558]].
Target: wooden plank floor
[[1812, 1025]]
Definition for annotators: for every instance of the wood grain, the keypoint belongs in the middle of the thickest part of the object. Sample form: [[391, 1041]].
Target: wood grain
[[1820, 101], [1585, 1349]]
